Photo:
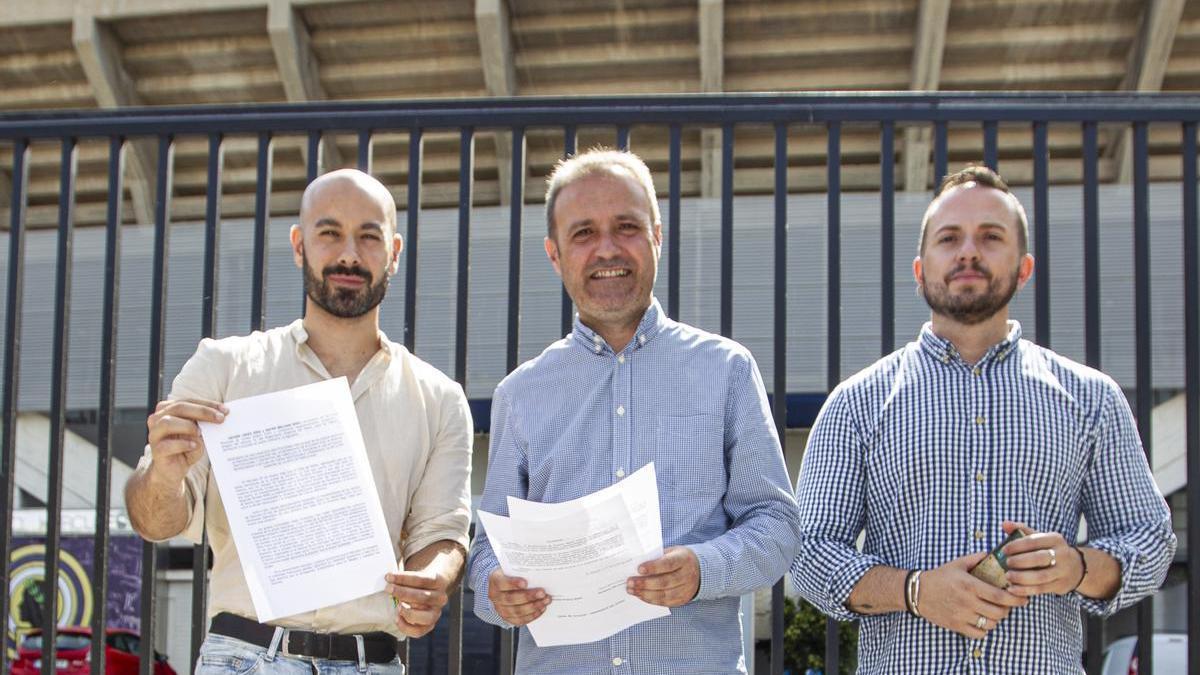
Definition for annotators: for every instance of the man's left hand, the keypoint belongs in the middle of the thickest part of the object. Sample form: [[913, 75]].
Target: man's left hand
[[1041, 562], [670, 581], [420, 597]]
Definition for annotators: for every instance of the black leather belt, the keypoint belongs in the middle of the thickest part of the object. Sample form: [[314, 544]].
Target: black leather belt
[[377, 647]]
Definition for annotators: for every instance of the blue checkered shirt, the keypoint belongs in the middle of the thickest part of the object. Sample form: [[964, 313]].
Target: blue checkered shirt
[[928, 454], [581, 416]]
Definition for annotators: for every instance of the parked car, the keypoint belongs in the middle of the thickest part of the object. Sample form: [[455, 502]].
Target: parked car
[[1170, 655], [73, 653]]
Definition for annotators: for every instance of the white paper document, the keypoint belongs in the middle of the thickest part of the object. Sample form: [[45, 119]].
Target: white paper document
[[301, 502], [582, 552]]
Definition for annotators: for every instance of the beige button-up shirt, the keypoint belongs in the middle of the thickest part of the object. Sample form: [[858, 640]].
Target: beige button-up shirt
[[417, 429]]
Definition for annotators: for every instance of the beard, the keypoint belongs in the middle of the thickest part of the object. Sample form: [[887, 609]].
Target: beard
[[344, 303], [970, 308]]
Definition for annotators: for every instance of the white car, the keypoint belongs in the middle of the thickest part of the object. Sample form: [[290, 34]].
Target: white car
[[1170, 655]]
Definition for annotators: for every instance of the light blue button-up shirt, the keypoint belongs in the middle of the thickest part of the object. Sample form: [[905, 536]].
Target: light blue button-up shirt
[[928, 454], [581, 416]]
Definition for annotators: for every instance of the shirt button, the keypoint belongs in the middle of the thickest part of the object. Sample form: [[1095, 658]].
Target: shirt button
[[979, 420], [621, 358], [979, 476], [617, 661], [641, 339], [979, 534], [977, 371], [620, 410], [978, 653], [620, 473]]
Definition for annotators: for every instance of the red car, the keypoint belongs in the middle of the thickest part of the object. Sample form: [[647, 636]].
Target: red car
[[73, 655]]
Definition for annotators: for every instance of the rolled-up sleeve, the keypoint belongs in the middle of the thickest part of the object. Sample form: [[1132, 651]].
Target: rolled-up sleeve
[[506, 475], [441, 505], [757, 548], [1126, 515], [829, 493]]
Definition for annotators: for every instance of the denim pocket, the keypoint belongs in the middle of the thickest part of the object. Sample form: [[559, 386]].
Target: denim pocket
[[220, 655]]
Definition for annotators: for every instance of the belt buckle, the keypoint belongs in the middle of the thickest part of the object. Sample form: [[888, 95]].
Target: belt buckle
[[284, 647]]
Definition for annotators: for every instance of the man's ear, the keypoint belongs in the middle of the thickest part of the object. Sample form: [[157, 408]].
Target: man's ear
[[552, 254], [1024, 270], [296, 235], [918, 272], [658, 234], [397, 247]]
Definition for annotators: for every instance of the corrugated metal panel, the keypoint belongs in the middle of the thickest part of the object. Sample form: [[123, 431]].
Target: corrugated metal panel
[[700, 277]]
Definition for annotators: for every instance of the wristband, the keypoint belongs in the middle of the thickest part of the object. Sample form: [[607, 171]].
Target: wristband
[[1083, 562], [912, 592]]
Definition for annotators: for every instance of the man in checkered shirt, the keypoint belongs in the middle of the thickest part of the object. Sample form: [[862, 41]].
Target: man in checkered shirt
[[941, 449]]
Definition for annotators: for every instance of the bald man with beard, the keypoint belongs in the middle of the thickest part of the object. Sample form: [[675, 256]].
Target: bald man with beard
[[416, 427]]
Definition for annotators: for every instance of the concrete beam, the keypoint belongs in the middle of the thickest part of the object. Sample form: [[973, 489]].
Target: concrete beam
[[100, 56], [298, 68], [1146, 68], [18, 13], [494, 28], [712, 80], [929, 46], [5, 190]]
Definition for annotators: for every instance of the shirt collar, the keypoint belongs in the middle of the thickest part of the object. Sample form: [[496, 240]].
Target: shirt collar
[[370, 373], [652, 322], [943, 350]]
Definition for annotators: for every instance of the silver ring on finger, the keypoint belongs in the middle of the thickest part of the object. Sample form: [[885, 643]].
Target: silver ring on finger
[[1053, 557], [981, 622]]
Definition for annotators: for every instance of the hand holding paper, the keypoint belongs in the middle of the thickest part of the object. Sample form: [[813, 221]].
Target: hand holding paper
[[582, 554]]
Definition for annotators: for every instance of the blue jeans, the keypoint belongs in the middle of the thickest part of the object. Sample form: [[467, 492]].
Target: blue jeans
[[221, 655]]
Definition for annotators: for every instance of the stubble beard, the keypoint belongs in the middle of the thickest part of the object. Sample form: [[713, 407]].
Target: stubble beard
[[344, 303], [973, 308]]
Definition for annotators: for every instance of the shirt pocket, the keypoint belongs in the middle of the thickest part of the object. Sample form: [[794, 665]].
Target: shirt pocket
[[691, 455]]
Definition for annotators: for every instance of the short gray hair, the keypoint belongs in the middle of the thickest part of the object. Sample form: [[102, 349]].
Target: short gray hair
[[594, 161]]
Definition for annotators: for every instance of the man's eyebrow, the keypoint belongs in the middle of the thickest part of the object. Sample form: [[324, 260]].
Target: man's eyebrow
[[327, 221], [584, 222]]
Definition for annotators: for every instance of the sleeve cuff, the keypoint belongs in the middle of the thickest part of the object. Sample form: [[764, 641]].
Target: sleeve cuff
[[712, 578], [842, 581], [412, 546], [1126, 556]]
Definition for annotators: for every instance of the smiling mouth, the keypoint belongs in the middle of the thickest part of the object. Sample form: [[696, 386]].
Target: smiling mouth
[[610, 273]]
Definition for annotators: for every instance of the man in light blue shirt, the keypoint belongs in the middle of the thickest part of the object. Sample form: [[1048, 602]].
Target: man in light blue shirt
[[627, 387]]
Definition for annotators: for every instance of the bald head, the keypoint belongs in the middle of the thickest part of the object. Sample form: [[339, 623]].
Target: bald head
[[345, 184]]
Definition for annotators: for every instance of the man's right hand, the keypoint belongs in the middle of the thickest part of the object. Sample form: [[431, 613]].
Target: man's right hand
[[175, 440], [953, 599], [515, 603]]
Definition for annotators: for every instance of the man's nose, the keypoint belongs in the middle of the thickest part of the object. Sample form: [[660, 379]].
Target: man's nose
[[348, 256], [968, 250], [606, 246]]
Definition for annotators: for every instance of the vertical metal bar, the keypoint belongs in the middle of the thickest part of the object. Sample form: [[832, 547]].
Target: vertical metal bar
[[887, 237], [727, 230], [262, 221], [514, 245], [941, 153], [1091, 295], [1041, 233], [208, 328], [412, 210], [570, 146], [68, 163], [154, 389], [991, 155], [779, 389], [466, 185], [12, 353], [516, 202], [365, 144], [1142, 349], [108, 363], [675, 237], [1091, 244], [1191, 330], [833, 301], [313, 165], [623, 136]]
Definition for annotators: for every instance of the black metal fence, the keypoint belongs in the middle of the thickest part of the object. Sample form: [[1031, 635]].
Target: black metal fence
[[1088, 113]]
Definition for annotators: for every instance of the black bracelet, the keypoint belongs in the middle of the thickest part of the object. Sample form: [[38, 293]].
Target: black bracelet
[[1083, 562]]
